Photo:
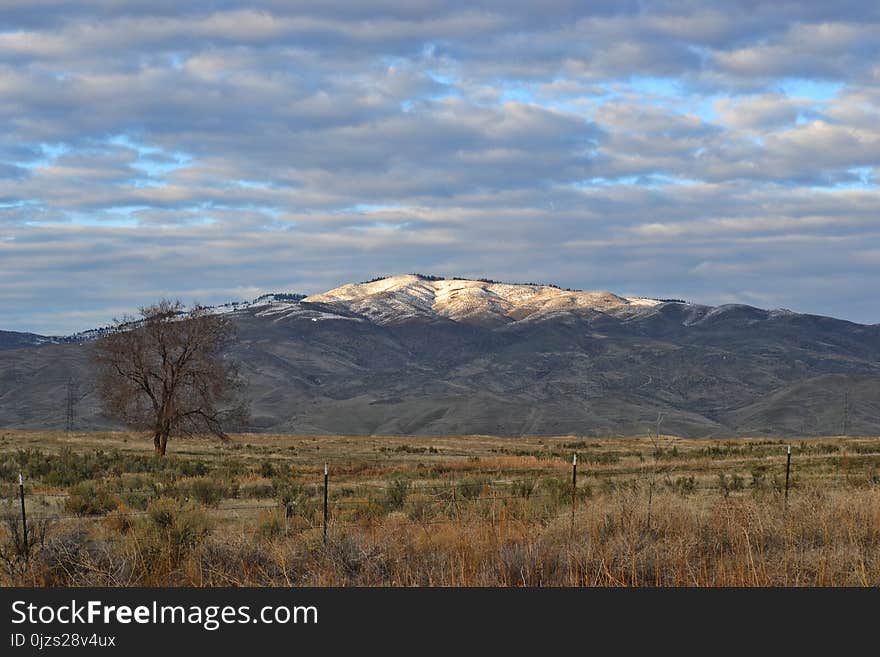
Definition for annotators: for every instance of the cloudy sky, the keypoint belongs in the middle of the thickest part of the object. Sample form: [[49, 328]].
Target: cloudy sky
[[723, 154]]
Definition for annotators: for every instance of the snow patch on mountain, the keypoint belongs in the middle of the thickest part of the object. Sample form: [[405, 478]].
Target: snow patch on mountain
[[409, 297], [643, 301]]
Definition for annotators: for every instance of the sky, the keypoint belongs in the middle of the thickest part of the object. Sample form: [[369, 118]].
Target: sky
[[716, 152]]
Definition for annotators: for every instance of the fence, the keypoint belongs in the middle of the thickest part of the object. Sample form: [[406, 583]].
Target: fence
[[453, 495]]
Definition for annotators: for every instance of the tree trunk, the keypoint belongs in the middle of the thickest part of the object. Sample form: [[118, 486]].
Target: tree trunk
[[160, 442]]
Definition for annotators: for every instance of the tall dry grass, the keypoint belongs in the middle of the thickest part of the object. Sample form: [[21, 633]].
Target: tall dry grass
[[822, 538]]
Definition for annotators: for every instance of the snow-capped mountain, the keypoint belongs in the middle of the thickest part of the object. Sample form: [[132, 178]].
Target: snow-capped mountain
[[404, 298], [415, 354], [409, 298]]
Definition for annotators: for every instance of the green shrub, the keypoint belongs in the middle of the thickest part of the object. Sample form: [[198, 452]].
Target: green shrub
[[257, 490], [89, 498], [136, 499], [558, 490], [523, 488], [67, 468], [421, 508], [134, 490], [759, 477], [272, 523], [577, 444], [684, 485], [470, 488], [171, 529], [396, 494], [293, 498], [207, 491], [602, 458], [189, 468]]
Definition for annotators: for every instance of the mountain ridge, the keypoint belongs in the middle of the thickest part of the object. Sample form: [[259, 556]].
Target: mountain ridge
[[363, 300], [423, 355]]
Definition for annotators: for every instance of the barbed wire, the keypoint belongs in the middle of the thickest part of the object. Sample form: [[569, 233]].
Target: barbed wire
[[438, 492], [427, 488], [665, 464], [335, 522], [337, 504]]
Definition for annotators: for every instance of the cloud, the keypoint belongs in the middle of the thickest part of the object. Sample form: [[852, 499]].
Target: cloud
[[763, 112], [208, 151]]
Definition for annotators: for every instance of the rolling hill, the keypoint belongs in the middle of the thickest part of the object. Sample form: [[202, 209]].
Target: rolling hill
[[429, 356]]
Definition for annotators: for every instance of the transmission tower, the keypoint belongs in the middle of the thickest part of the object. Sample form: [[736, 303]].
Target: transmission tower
[[72, 394]]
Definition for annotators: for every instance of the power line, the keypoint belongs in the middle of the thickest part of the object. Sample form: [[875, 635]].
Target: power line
[[72, 394]]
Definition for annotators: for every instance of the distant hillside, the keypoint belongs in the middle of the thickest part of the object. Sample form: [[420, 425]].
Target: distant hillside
[[423, 355]]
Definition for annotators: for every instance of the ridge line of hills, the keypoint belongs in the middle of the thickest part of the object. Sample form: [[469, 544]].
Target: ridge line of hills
[[424, 355]]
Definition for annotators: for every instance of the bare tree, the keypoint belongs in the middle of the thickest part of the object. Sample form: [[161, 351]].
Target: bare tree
[[165, 372]]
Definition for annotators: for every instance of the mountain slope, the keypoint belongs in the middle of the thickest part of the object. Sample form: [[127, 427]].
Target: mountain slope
[[13, 340], [417, 355], [398, 299]]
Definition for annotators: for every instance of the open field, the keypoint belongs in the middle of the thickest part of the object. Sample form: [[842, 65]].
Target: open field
[[463, 511]]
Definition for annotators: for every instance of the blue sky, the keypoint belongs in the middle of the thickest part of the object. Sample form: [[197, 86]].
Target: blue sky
[[718, 152]]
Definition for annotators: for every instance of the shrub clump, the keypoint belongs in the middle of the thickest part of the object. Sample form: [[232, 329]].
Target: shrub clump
[[293, 498], [523, 488], [272, 523], [396, 494], [205, 490], [170, 530], [470, 488], [89, 498]]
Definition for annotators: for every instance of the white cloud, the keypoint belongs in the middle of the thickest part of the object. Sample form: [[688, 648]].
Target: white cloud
[[152, 148]]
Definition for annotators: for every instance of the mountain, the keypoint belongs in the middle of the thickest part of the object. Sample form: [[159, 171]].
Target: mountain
[[13, 340], [429, 356], [401, 299]]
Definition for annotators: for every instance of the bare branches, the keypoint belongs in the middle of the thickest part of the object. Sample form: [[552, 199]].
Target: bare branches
[[165, 372]]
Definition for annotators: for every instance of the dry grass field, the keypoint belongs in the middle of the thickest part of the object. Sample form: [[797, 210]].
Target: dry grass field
[[455, 511]]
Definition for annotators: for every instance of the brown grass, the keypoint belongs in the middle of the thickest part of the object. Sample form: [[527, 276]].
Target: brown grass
[[472, 511]]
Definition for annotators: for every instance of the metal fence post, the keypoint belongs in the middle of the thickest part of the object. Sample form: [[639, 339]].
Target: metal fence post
[[787, 471], [23, 516], [326, 481], [574, 483]]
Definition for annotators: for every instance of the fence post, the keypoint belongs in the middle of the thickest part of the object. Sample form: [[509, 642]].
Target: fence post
[[326, 481], [492, 487], [23, 516], [787, 471], [574, 483]]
